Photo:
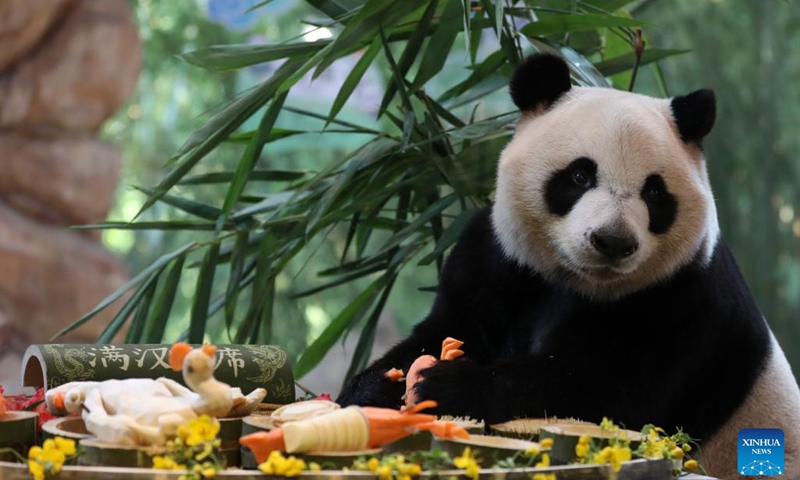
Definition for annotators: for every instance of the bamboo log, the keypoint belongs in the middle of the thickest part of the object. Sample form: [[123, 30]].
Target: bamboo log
[[528, 428], [18, 430], [565, 438]]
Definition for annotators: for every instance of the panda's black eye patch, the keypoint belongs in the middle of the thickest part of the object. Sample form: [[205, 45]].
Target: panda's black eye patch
[[661, 205], [565, 187]]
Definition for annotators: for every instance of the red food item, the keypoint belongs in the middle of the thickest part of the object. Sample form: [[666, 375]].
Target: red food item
[[35, 403], [450, 351], [324, 396]]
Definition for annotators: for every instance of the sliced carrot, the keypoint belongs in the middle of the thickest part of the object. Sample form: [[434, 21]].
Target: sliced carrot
[[394, 375]]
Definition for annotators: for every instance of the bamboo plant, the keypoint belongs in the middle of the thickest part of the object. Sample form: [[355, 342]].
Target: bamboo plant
[[402, 198]]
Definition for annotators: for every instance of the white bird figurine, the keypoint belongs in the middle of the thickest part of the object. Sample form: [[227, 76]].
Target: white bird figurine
[[145, 412]]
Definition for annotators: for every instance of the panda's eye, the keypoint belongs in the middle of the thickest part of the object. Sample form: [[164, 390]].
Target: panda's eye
[[580, 178], [652, 194]]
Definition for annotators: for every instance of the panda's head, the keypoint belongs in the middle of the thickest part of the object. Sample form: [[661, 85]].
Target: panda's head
[[604, 190]]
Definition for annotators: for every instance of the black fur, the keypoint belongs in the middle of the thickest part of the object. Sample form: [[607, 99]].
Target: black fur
[[662, 206], [695, 114], [539, 81], [684, 353], [562, 192]]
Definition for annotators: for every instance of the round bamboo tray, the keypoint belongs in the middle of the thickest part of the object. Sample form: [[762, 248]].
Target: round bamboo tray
[[565, 438], [18, 430], [635, 470]]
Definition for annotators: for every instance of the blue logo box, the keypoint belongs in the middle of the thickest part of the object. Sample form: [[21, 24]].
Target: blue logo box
[[761, 452]]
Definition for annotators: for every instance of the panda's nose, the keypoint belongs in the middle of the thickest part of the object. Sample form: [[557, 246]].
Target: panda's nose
[[614, 247]]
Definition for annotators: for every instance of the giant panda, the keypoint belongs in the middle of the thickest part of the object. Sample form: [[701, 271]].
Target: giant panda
[[598, 283]]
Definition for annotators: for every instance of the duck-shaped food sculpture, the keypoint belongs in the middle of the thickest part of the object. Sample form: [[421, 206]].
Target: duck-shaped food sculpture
[[145, 412], [350, 429]]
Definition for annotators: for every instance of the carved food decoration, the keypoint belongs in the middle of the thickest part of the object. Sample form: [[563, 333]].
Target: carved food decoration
[[140, 411], [350, 429]]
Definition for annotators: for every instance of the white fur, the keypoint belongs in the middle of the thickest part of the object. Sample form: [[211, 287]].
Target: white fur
[[774, 402], [630, 137]]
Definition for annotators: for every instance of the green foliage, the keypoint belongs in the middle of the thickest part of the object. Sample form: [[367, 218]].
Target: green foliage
[[398, 201]]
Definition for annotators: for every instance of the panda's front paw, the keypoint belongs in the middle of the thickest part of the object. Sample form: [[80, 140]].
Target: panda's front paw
[[371, 388], [460, 387]]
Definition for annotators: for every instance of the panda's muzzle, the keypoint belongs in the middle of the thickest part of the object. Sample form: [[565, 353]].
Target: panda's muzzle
[[613, 246]]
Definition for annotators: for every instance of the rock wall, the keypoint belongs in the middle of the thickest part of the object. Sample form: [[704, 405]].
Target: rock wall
[[65, 67]]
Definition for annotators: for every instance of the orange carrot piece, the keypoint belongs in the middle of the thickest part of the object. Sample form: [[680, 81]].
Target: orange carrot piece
[[394, 375]]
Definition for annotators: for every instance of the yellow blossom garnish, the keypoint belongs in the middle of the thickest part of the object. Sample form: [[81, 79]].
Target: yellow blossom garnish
[[544, 476], [691, 465], [50, 457], [314, 467], [615, 455], [199, 430], [532, 451], [544, 462], [468, 462], [279, 465], [582, 448], [166, 463], [546, 442], [607, 424]]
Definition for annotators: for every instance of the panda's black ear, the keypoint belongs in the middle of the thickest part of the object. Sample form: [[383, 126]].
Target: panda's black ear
[[539, 81], [695, 114]]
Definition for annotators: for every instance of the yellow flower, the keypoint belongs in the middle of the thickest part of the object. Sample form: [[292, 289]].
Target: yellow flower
[[546, 442], [544, 476], [686, 447], [615, 455], [66, 445], [384, 472], [676, 452], [468, 462], [166, 463], [545, 462], [36, 469], [199, 430], [583, 446], [276, 464], [314, 467], [691, 465], [372, 464], [607, 424], [209, 472], [532, 451]]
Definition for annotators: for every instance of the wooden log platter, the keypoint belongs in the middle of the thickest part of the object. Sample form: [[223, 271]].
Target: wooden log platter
[[18, 430], [565, 438], [528, 428], [634, 470], [487, 447]]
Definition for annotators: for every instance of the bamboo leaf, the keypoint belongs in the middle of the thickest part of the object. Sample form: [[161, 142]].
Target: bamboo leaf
[[238, 255], [116, 323], [157, 320], [183, 204], [254, 176], [202, 295], [450, 235], [353, 79], [362, 29], [350, 314], [625, 62], [440, 44], [233, 57], [215, 130], [249, 158], [367, 337], [156, 266], [559, 24], [410, 52], [489, 66], [180, 225], [136, 331], [419, 221]]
